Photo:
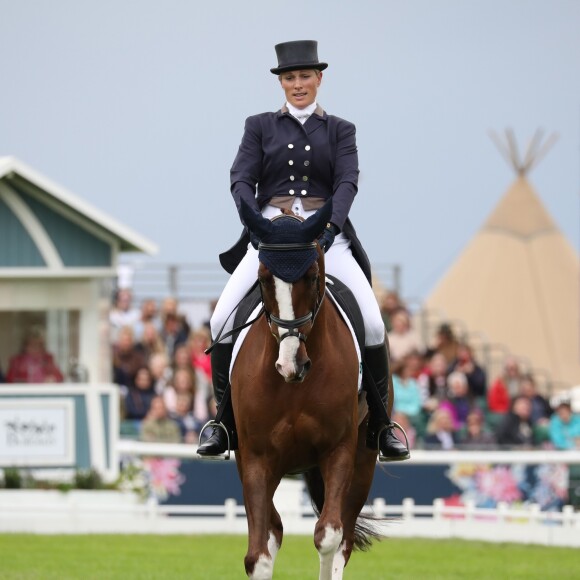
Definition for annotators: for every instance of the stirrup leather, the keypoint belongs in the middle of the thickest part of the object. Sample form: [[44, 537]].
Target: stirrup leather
[[224, 456], [390, 426]]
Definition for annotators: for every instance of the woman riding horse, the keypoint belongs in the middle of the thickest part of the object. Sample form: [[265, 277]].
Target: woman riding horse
[[295, 159]]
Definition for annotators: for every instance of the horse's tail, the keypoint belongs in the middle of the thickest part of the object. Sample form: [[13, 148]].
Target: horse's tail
[[366, 528]]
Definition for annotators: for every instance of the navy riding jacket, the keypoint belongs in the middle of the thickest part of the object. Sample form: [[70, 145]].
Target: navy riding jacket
[[278, 156]]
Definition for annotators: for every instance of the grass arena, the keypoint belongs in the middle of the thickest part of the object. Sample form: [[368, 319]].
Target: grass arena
[[221, 556]]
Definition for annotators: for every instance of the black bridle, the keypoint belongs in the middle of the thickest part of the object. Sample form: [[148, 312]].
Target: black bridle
[[291, 326]]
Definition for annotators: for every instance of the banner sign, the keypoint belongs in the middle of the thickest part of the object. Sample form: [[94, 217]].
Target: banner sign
[[37, 432]]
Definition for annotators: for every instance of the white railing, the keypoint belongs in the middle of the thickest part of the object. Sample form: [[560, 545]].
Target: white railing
[[41, 514], [50, 512], [418, 456]]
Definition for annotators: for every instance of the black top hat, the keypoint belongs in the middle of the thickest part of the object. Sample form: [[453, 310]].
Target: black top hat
[[296, 55]]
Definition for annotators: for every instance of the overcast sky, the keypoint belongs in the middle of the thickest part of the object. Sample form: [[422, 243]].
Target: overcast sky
[[138, 107]]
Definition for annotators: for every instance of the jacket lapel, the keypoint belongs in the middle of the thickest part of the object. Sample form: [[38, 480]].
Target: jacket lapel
[[314, 122]]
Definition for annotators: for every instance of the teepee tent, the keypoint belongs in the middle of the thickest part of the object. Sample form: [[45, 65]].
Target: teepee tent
[[517, 281]]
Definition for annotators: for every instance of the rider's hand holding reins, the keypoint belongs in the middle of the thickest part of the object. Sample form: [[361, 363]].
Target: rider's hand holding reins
[[327, 238]]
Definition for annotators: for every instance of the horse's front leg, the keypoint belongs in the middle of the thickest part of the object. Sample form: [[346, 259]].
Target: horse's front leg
[[337, 470], [264, 524]]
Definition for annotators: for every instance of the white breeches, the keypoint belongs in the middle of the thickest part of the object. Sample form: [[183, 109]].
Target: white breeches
[[339, 262]]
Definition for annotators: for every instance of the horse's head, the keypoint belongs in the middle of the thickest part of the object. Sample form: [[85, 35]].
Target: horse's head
[[292, 282]]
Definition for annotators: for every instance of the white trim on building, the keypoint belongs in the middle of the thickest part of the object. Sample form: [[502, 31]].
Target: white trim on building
[[131, 241]]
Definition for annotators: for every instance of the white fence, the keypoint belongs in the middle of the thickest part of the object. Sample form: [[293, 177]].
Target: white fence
[[120, 513], [418, 456], [51, 512]]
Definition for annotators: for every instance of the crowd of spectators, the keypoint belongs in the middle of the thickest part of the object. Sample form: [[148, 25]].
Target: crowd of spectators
[[162, 370], [445, 400], [443, 396]]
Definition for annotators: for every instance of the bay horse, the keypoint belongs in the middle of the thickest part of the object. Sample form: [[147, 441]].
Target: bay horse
[[298, 410]]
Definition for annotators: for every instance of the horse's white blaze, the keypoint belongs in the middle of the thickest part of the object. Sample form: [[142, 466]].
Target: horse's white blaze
[[327, 552], [264, 568], [286, 362]]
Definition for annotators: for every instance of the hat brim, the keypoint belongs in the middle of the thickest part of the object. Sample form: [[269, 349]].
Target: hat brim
[[299, 66]]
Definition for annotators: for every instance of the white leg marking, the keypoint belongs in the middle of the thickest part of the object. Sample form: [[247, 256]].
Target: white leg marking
[[289, 346], [273, 547], [327, 552], [263, 569], [338, 563]]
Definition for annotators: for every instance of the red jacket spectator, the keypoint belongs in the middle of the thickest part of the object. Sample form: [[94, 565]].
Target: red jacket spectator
[[34, 364], [498, 398]]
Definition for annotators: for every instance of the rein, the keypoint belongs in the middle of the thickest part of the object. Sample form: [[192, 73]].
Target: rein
[[291, 326], [219, 336]]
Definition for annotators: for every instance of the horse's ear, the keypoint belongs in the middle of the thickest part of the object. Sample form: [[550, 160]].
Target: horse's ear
[[254, 220], [315, 224]]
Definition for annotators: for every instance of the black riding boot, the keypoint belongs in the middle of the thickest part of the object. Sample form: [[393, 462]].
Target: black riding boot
[[217, 443], [377, 365]]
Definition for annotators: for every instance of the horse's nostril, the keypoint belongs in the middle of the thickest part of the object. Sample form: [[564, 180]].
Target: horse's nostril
[[307, 366]]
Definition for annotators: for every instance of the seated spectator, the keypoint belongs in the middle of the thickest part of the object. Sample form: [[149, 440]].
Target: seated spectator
[[516, 429], [565, 427], [173, 334], [170, 307], [161, 371], [402, 338], [390, 303], [127, 358], [122, 314], [138, 397], [541, 410], [149, 315], [465, 363], [445, 343], [183, 416], [407, 393], [404, 422], [440, 431], [150, 342], [182, 360], [505, 387], [433, 382], [34, 364], [158, 427], [475, 435], [416, 364], [200, 339], [182, 383], [459, 402]]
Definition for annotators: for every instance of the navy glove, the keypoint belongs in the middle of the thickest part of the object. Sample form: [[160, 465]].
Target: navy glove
[[327, 238], [254, 240]]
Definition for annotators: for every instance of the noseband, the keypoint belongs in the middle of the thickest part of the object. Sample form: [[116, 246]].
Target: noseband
[[291, 325]]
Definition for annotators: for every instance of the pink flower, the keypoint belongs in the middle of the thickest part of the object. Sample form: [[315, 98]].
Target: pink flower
[[164, 477], [499, 484]]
